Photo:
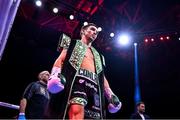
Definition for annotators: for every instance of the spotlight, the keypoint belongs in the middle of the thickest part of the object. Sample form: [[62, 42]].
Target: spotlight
[[135, 44], [38, 3], [111, 34], [161, 38], [55, 10], [71, 17], [179, 38], [124, 39], [152, 39], [85, 23], [167, 38], [146, 40], [99, 29]]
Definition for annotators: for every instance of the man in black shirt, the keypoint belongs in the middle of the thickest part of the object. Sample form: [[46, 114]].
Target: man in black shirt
[[35, 98]]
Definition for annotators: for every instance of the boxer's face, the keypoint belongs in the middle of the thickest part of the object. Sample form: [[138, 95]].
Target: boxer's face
[[91, 33]]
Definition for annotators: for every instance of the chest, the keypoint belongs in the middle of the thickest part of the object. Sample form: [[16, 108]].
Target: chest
[[81, 52], [89, 55]]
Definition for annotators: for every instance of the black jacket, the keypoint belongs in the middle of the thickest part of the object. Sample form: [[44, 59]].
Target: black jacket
[[137, 116]]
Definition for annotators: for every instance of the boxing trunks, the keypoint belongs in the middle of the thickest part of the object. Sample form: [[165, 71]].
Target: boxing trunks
[[86, 92]]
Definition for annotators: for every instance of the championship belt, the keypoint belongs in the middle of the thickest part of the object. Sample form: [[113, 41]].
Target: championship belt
[[64, 42]]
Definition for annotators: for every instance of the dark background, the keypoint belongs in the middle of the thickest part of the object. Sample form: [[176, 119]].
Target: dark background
[[31, 48]]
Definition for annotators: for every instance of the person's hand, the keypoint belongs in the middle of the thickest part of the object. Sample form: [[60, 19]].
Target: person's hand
[[56, 84], [114, 104], [21, 116]]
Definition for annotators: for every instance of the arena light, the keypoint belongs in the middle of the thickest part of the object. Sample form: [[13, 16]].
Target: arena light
[[71, 17], [111, 34], [137, 92], [55, 10], [167, 37], [124, 39], [152, 39], [38, 3], [161, 38], [99, 29], [85, 23], [146, 40], [135, 44]]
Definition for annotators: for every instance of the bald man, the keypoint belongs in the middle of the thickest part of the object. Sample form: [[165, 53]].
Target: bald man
[[35, 98]]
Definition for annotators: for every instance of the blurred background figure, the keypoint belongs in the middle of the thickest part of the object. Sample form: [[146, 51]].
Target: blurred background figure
[[35, 99], [140, 112]]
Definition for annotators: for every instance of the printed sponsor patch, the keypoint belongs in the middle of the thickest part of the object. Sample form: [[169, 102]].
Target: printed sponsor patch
[[42, 91], [96, 99], [81, 81], [91, 86], [78, 92]]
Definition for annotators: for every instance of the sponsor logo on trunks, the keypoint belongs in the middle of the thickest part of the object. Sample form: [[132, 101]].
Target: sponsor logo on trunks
[[81, 81], [96, 99], [78, 92], [92, 114], [96, 108], [91, 86]]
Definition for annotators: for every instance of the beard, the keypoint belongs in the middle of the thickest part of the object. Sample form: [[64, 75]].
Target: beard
[[92, 38], [142, 111]]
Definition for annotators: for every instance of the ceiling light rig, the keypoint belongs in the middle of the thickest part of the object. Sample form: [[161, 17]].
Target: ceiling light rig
[[38, 3]]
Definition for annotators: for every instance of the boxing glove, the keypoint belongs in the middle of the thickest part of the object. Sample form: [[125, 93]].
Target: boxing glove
[[56, 81], [114, 104], [21, 116]]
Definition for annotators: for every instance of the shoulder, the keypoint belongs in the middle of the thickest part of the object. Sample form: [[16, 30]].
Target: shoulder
[[146, 116], [31, 84], [29, 88], [34, 84], [134, 115], [38, 83]]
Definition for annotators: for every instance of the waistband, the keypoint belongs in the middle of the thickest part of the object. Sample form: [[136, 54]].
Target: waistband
[[88, 75]]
